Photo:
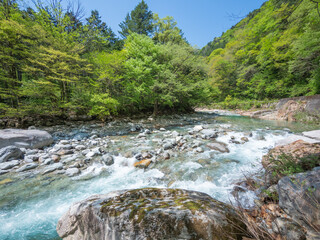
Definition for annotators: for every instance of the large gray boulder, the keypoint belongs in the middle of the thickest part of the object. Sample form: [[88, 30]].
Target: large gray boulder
[[299, 197], [150, 214], [25, 138], [10, 153]]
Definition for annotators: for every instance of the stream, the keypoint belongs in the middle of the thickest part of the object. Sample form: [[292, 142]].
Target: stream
[[31, 202]]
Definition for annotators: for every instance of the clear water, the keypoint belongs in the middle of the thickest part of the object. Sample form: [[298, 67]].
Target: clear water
[[30, 205]]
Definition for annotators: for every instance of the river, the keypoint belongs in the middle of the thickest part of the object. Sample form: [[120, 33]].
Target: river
[[32, 202]]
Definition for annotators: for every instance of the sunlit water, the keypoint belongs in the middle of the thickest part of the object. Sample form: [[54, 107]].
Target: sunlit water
[[30, 205]]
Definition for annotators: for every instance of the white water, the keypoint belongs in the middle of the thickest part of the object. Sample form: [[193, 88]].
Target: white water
[[35, 217]]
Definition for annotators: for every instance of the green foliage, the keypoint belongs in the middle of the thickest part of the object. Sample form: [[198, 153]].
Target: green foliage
[[103, 106], [285, 165], [272, 53]]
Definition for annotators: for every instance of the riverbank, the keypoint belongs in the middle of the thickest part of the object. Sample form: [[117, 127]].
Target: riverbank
[[304, 109]]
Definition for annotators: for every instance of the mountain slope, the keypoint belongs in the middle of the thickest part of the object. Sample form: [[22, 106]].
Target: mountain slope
[[273, 53]]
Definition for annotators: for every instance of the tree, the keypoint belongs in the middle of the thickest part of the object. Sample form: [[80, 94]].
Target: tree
[[166, 30], [98, 36], [138, 21]]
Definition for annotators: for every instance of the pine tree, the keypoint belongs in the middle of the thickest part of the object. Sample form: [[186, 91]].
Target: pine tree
[[138, 21]]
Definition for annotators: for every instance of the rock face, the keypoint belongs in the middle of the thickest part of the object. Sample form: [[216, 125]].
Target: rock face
[[10, 153], [299, 196], [25, 138], [150, 214], [298, 149]]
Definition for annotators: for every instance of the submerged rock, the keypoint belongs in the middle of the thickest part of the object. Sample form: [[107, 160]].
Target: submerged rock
[[10, 153], [25, 138], [218, 146], [150, 214]]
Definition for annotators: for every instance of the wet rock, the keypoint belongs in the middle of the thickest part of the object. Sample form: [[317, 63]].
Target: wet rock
[[25, 138], [108, 159], [146, 155], [2, 172], [9, 153], [218, 146], [166, 155], [143, 163], [65, 152], [245, 139], [299, 197], [64, 142], [288, 229], [168, 145], [71, 172], [150, 214], [199, 150], [9, 165], [128, 154], [55, 158], [27, 167], [80, 147], [53, 167], [197, 128], [162, 129], [209, 133]]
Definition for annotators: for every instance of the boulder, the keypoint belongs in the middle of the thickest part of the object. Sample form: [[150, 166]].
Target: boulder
[[299, 197], [9, 153], [25, 138], [150, 214], [27, 167], [297, 150], [9, 165], [218, 146], [70, 172]]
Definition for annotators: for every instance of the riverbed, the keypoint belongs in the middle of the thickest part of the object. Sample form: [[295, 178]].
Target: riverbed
[[31, 202]]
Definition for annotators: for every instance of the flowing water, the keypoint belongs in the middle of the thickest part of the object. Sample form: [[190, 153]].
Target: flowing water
[[31, 203]]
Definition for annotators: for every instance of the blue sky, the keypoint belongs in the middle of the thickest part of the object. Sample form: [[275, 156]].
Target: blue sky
[[200, 20]]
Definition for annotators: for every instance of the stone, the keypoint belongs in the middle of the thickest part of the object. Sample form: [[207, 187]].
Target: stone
[[108, 159], [197, 128], [218, 146], [151, 214], [294, 138], [143, 163], [199, 150], [80, 147], [9, 153], [146, 155], [27, 167], [53, 167], [312, 134], [25, 138], [209, 133], [55, 158], [166, 155], [299, 197], [9, 165], [71, 172], [162, 129], [168, 146], [245, 139]]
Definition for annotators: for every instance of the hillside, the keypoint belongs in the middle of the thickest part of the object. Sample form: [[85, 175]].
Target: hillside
[[272, 53]]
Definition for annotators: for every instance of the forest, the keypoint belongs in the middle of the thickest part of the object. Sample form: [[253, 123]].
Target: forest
[[53, 61], [272, 53]]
